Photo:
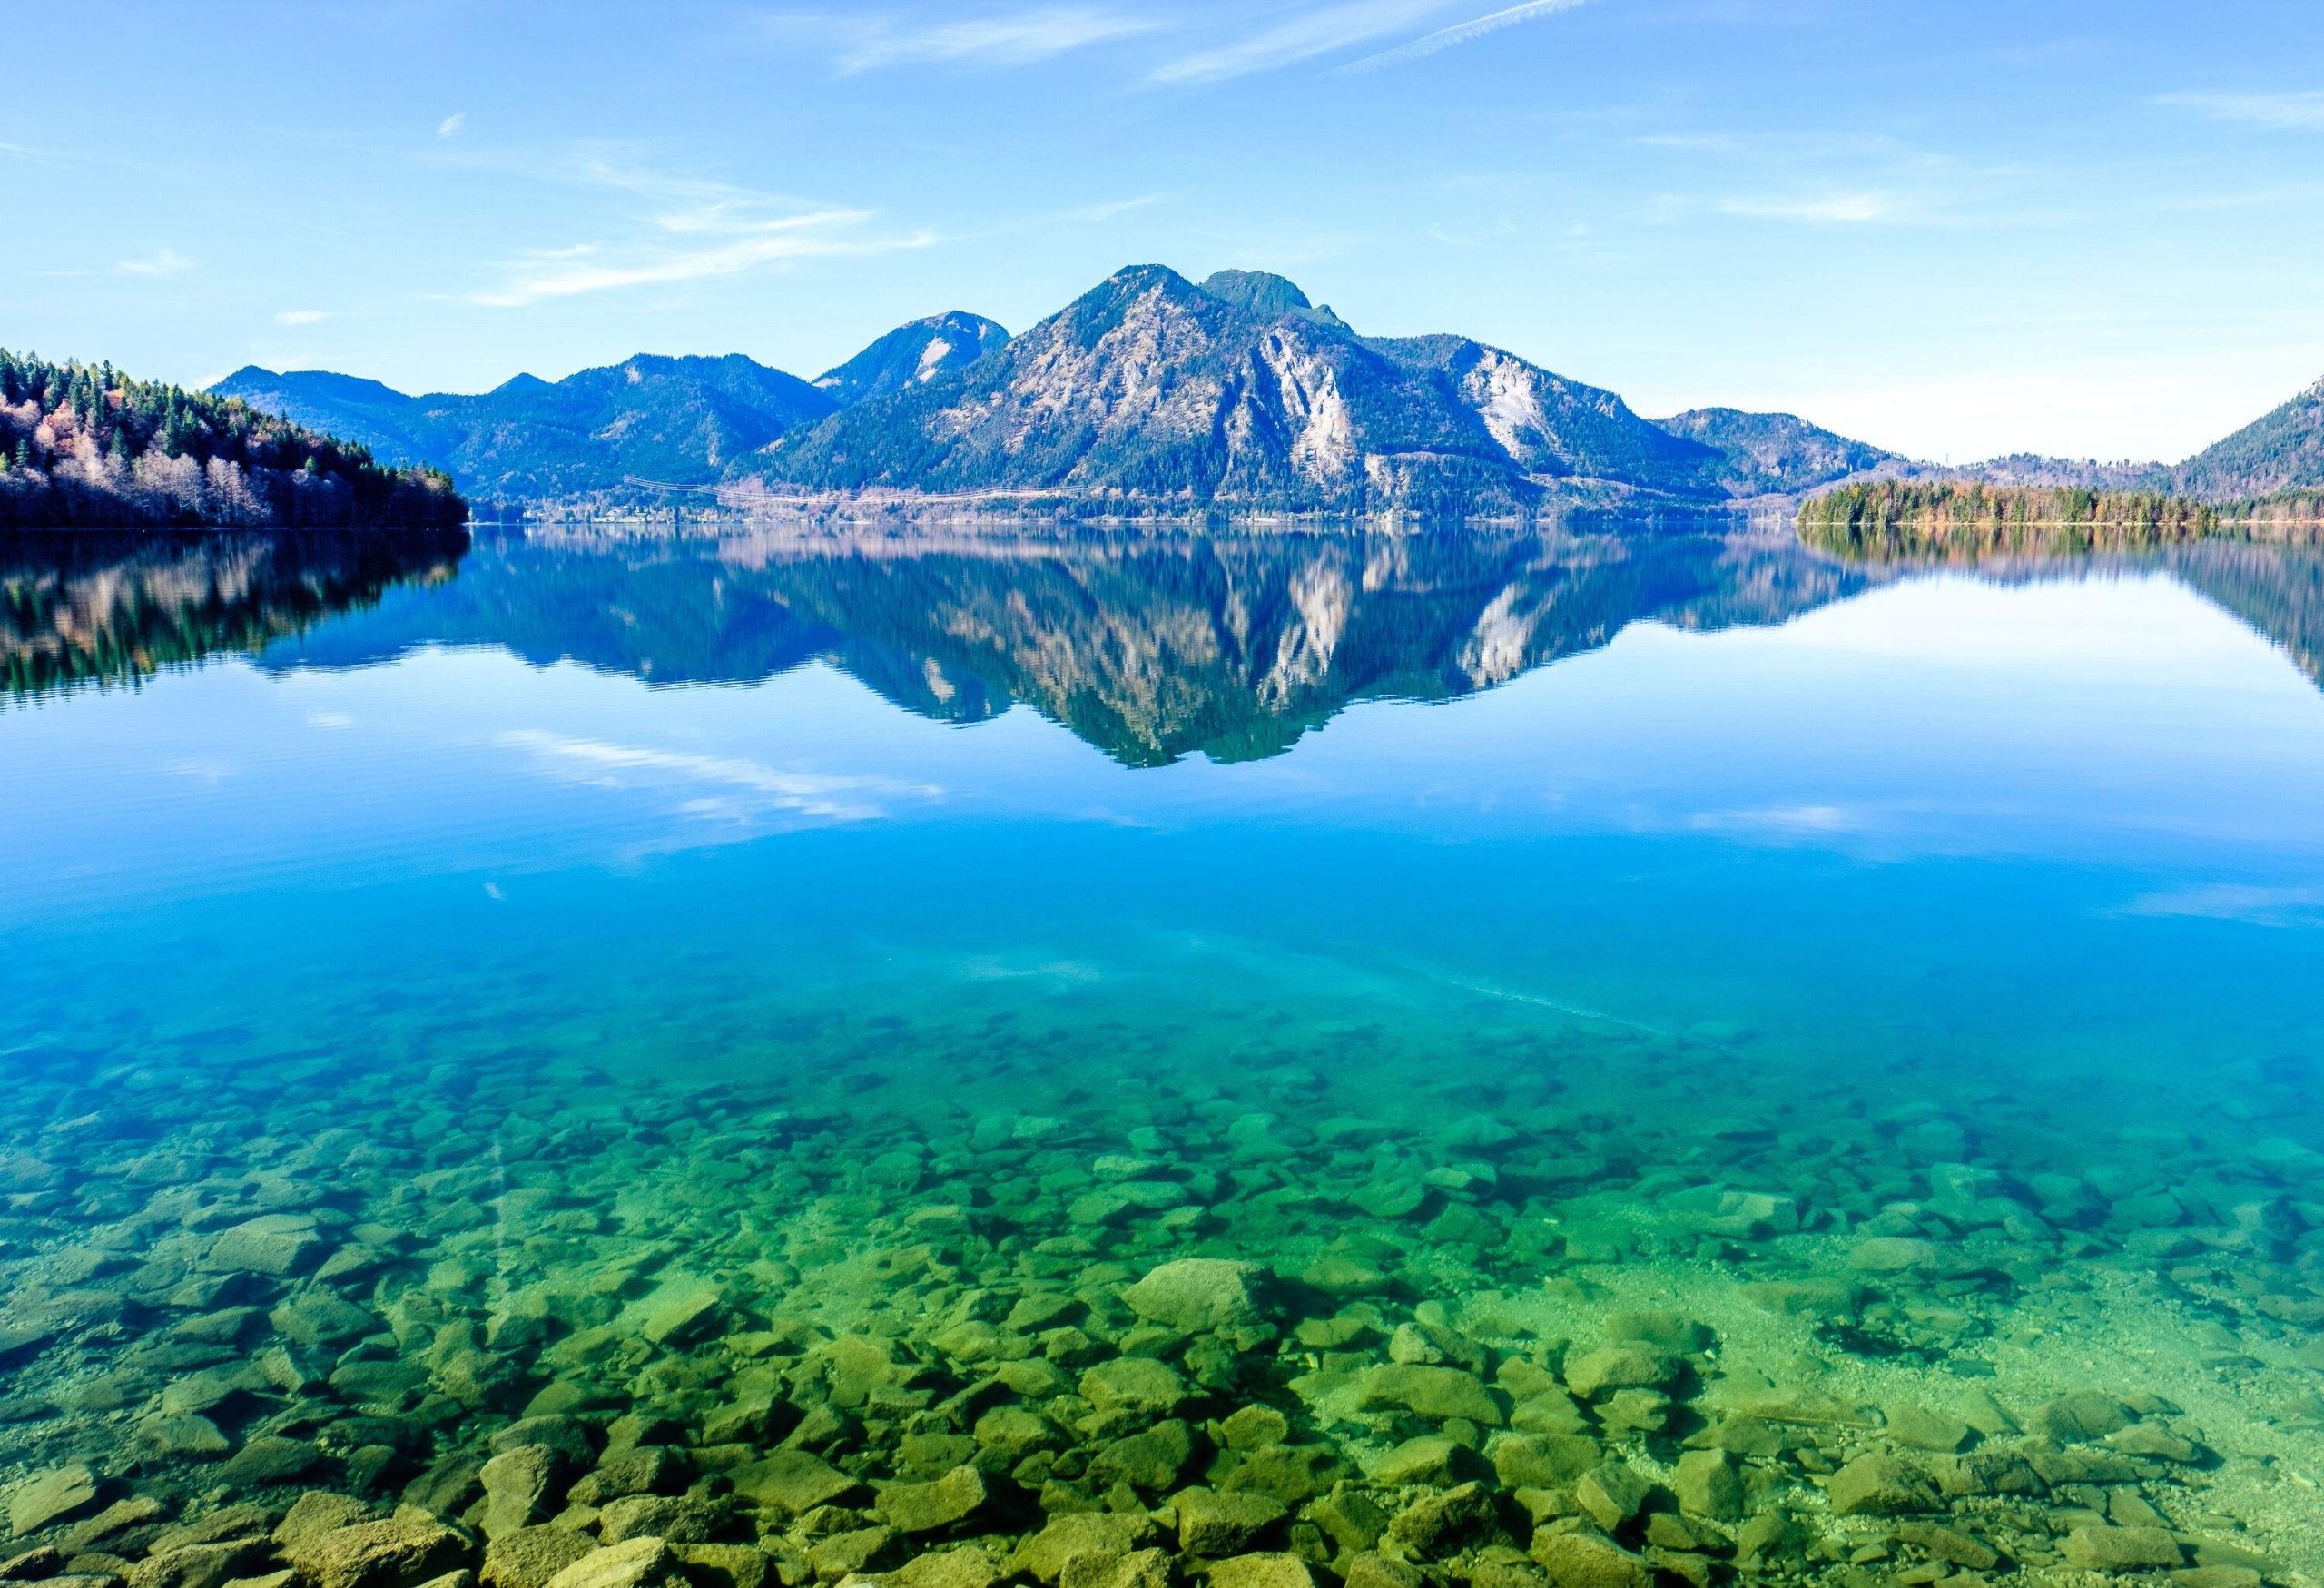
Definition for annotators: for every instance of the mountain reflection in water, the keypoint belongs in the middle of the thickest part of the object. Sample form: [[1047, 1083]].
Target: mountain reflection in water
[[1147, 648]]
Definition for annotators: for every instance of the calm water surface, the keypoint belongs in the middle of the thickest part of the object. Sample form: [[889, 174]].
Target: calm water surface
[[1853, 1028]]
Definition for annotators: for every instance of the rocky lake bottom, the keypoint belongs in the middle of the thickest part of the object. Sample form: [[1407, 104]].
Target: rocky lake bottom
[[477, 1123], [1294, 1320]]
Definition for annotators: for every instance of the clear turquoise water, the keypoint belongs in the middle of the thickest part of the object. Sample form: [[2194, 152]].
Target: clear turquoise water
[[1707, 864], [2073, 815]]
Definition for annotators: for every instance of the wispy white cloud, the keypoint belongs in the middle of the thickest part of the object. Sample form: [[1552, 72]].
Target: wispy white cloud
[[1107, 211], [996, 39], [694, 230], [822, 235], [1820, 209], [1498, 229], [2297, 111], [1302, 37], [1842, 179], [301, 317], [169, 261], [752, 788], [450, 127], [1462, 32]]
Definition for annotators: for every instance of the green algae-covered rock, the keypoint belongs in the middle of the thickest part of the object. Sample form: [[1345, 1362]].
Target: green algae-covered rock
[[268, 1460], [1612, 1494], [1542, 1461], [680, 1309], [1137, 1384], [1924, 1429], [1250, 1427], [1940, 1542], [1435, 1525], [963, 1566], [1584, 1559], [673, 1518], [1290, 1473], [929, 1507], [791, 1480], [273, 1246], [1013, 1431], [529, 1556], [1105, 1536], [394, 1553], [1592, 1374], [1706, 1484], [517, 1488], [1892, 1254], [1348, 1517], [1141, 1568], [636, 1563], [1880, 1485], [1436, 1392], [2121, 1549], [860, 1549], [316, 1512], [647, 1469], [1199, 1293], [1261, 1571], [1432, 1458], [1148, 1463], [51, 1497], [724, 1565], [198, 1566], [1214, 1524]]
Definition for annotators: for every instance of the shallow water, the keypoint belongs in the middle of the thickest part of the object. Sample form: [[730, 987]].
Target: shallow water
[[780, 992]]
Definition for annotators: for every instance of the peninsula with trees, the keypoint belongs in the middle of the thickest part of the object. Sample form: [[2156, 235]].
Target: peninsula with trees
[[86, 446]]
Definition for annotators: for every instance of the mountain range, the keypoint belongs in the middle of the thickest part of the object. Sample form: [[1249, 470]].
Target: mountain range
[[1152, 391], [1149, 390]]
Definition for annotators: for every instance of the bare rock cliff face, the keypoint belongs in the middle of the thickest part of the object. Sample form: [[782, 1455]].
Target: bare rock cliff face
[[1151, 390]]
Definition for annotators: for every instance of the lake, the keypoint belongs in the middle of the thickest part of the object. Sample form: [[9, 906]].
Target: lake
[[1472, 1057]]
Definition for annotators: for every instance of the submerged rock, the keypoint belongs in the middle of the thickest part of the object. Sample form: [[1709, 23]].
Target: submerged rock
[[1090, 1535], [1136, 1383], [1214, 1524], [1199, 1293], [1436, 1392], [530, 1556], [50, 1497], [912, 1508], [397, 1553], [1584, 1559], [636, 1563], [2121, 1549], [1880, 1485], [791, 1480]]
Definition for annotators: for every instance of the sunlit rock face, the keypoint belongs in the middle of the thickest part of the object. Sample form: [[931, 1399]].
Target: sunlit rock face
[[1150, 389]]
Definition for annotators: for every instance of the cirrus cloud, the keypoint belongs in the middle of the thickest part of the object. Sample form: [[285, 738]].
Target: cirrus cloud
[[2301, 110], [996, 39], [686, 229]]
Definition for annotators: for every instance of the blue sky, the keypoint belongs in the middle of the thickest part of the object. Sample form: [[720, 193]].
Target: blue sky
[[1954, 229]]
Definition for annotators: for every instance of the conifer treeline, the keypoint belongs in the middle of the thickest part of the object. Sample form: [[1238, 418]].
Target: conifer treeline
[[1891, 516], [1901, 518], [86, 445]]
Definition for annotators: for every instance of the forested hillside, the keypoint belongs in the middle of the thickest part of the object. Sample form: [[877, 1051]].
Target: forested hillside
[[86, 445]]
